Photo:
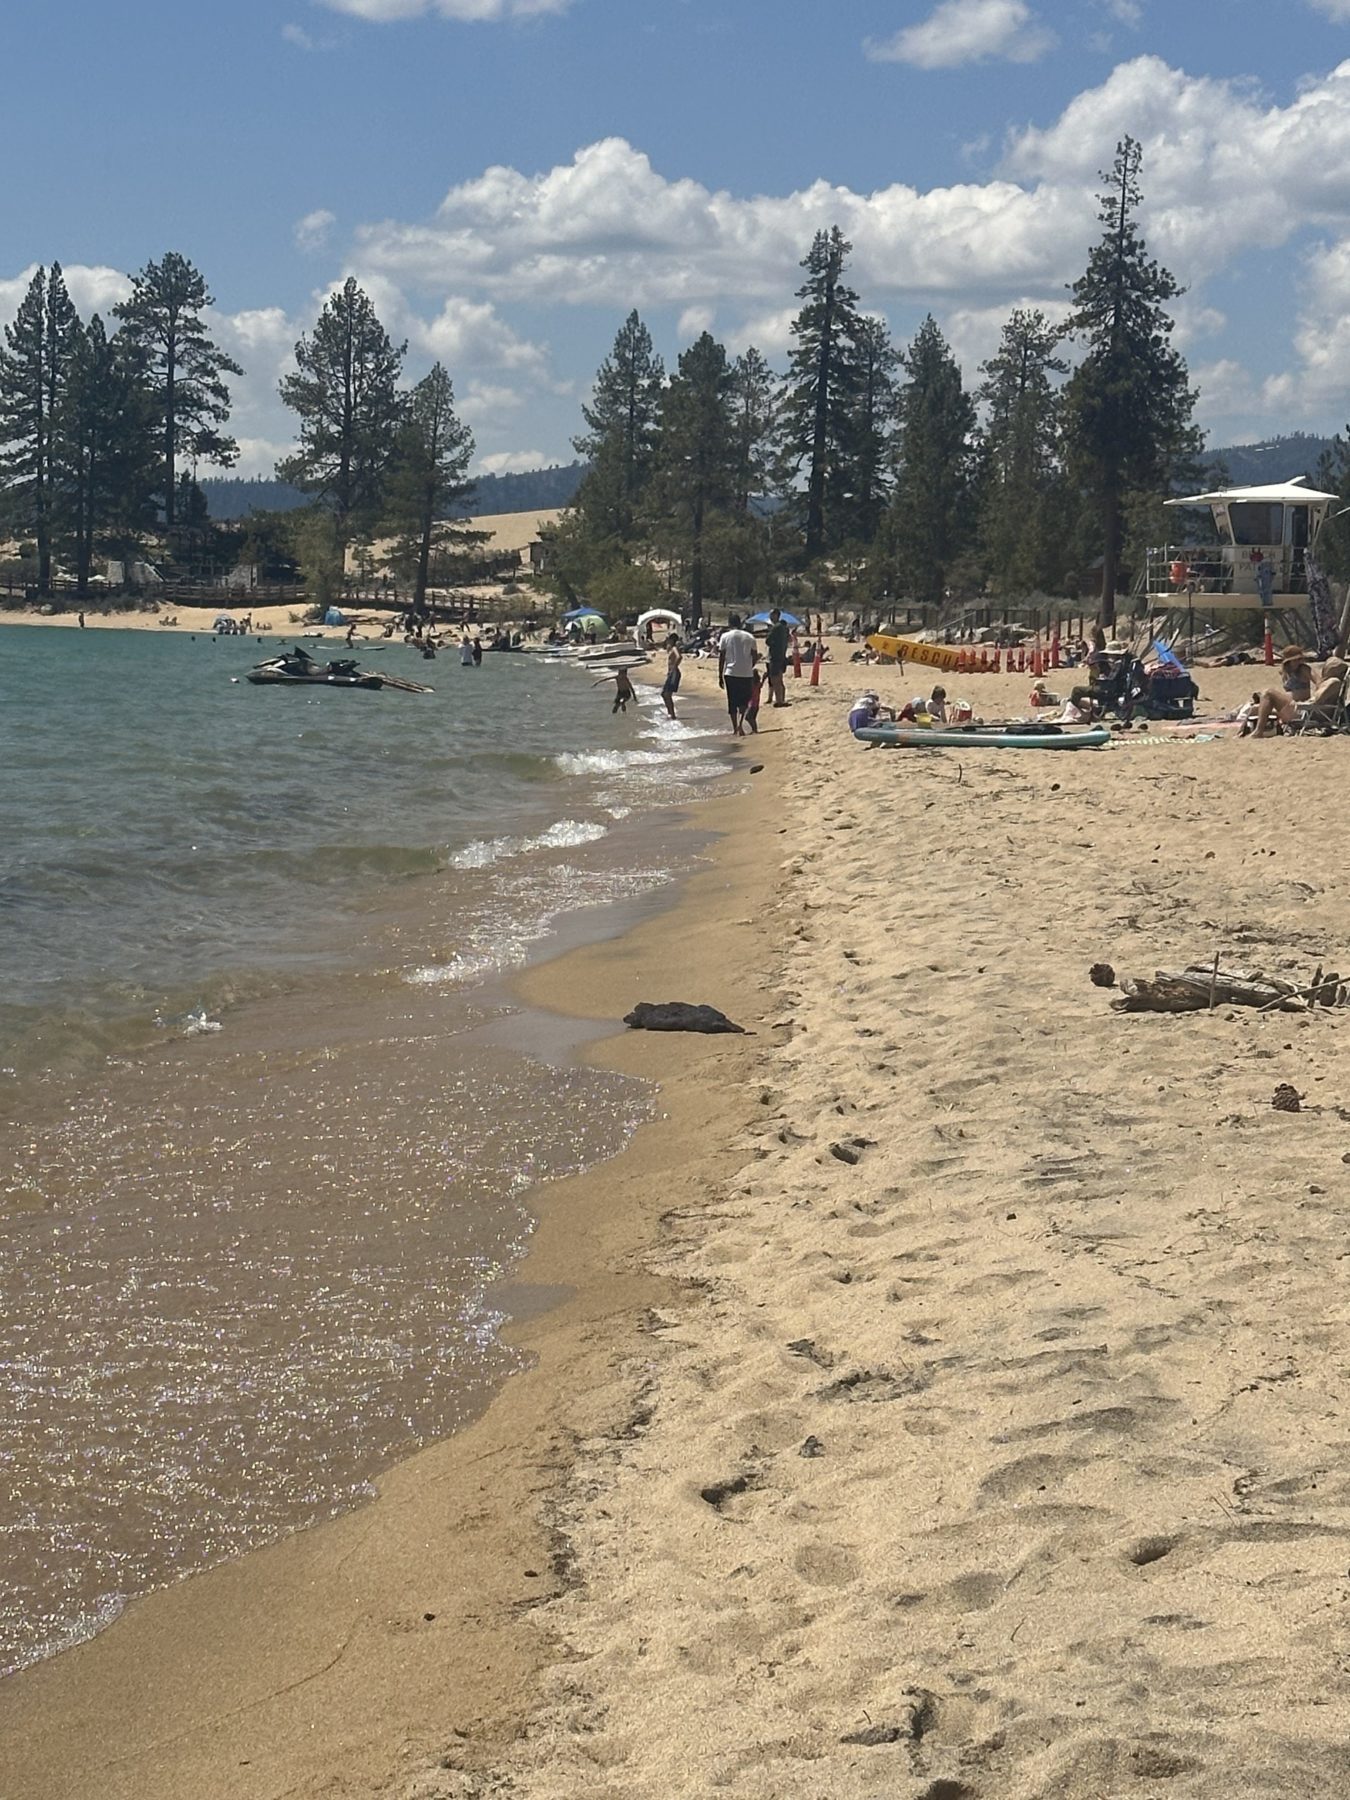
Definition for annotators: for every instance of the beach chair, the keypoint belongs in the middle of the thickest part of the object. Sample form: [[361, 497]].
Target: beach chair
[[1331, 716]]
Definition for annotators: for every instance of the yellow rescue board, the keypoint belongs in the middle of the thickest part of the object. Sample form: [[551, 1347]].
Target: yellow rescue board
[[898, 649]]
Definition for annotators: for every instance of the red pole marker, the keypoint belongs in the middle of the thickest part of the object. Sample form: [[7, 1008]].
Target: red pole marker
[[816, 661]]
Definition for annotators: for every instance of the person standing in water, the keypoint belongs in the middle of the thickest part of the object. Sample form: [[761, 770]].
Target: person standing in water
[[671, 685], [623, 691], [466, 656]]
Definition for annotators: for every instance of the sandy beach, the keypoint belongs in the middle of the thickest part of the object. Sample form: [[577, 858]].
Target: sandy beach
[[944, 1399]]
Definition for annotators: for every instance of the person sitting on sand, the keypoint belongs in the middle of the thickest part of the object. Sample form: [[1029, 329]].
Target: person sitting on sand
[[1074, 712], [1295, 689], [1041, 696], [937, 706], [867, 710]]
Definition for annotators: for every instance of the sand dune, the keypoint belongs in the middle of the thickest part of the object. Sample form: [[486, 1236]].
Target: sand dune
[[995, 1449]]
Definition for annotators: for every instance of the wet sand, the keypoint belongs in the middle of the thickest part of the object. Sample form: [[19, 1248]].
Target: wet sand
[[947, 1405]]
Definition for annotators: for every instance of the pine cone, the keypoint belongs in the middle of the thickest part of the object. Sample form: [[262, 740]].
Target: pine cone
[[1287, 1099]]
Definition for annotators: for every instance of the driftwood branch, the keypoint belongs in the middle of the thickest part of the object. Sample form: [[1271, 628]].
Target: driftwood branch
[[1200, 988]]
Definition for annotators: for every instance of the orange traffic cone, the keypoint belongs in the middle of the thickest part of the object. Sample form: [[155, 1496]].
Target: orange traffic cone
[[1054, 651], [1021, 659], [796, 658], [996, 666], [816, 661], [1269, 647], [1037, 663]]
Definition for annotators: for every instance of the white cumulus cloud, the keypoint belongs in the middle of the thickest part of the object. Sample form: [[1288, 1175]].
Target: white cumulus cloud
[[313, 231], [607, 229], [383, 12], [510, 462], [93, 288], [967, 31]]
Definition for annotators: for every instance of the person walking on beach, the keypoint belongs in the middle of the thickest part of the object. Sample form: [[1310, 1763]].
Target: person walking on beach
[[776, 644], [671, 685], [736, 656], [752, 708]]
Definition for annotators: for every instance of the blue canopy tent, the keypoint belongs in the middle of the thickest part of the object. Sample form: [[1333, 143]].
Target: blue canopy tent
[[333, 617], [762, 618]]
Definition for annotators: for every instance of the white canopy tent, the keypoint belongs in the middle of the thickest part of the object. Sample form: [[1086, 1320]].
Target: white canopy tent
[[642, 629]]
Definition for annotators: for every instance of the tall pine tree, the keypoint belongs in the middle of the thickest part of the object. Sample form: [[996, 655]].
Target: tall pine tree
[[928, 523], [34, 367], [622, 430], [163, 319], [346, 394], [818, 415], [1018, 528], [1128, 405], [875, 364], [753, 396], [106, 449], [696, 475], [429, 477]]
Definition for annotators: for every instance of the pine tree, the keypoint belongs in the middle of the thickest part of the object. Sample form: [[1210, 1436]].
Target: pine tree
[[753, 397], [1128, 404], [819, 404], [429, 477], [163, 317], [623, 425], [696, 476], [875, 363], [1020, 469], [345, 391], [34, 365], [106, 448], [928, 520]]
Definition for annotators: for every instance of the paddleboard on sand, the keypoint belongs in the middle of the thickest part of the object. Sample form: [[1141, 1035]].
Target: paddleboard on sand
[[971, 737]]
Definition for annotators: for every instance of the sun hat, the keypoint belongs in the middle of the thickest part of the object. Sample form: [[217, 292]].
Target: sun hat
[[1291, 651]]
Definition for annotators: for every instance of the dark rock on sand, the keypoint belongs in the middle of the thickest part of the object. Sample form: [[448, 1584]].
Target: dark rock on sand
[[678, 1015]]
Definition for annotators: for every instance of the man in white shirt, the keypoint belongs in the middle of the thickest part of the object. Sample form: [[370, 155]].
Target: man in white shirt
[[737, 654]]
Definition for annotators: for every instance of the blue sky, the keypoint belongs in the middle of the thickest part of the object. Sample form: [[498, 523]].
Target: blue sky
[[508, 177]]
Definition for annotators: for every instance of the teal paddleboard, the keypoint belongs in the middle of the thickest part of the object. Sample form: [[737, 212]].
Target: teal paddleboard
[[980, 737]]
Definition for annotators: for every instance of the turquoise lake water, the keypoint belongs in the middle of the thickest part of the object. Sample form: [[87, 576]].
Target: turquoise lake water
[[269, 1119]]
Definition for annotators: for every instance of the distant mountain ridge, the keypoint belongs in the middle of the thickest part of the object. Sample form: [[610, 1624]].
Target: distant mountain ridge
[[1274, 459], [531, 490]]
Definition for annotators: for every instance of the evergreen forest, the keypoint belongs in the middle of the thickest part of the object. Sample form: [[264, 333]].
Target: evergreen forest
[[863, 471]]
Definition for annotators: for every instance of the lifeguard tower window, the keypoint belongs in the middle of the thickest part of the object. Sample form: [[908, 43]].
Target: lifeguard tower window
[[1256, 522]]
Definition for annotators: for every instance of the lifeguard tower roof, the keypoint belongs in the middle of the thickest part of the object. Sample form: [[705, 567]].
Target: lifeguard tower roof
[[1294, 492]]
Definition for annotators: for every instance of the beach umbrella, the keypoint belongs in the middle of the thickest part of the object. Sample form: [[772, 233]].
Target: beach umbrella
[[582, 612], [762, 618]]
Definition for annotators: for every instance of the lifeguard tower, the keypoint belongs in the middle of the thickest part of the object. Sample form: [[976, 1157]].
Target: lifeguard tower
[[1260, 558]]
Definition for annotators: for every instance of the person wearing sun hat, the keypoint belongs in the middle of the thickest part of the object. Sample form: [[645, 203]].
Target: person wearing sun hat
[[1295, 690]]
